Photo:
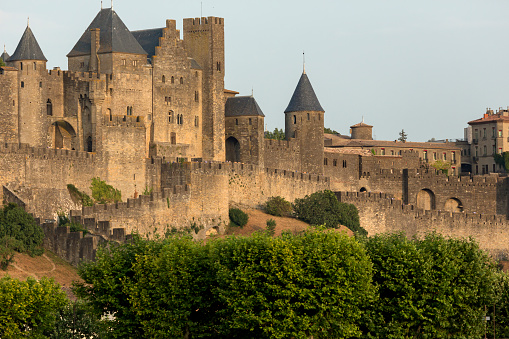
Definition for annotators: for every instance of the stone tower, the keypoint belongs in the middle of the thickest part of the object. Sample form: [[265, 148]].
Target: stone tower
[[304, 124], [244, 130], [362, 131], [31, 64], [204, 41]]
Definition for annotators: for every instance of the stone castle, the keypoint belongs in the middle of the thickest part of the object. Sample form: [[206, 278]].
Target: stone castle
[[147, 111]]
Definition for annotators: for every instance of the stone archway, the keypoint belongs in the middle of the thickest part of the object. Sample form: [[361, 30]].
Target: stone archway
[[453, 205], [63, 135], [426, 199], [363, 189], [232, 150]]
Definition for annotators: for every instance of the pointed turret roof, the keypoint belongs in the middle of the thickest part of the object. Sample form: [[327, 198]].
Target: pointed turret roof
[[242, 106], [28, 48], [5, 56], [115, 37], [304, 97]]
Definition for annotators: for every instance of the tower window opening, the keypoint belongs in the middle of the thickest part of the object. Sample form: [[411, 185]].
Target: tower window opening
[[181, 80], [49, 107], [129, 110], [294, 119], [170, 117], [196, 96], [164, 79], [22, 84], [40, 84], [236, 121], [35, 66], [20, 66], [196, 121], [309, 118], [325, 161], [172, 80], [250, 121], [218, 66]]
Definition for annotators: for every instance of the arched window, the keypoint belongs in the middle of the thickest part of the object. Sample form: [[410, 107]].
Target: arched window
[[49, 107], [109, 113], [163, 79], [172, 80], [181, 80]]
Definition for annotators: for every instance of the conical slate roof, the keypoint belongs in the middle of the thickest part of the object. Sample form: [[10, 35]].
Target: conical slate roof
[[115, 37], [4, 55], [304, 97], [242, 106], [28, 48]]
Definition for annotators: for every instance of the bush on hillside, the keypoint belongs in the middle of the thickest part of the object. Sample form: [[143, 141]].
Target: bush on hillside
[[16, 223], [82, 197], [278, 206], [238, 217], [323, 208], [271, 227], [104, 193]]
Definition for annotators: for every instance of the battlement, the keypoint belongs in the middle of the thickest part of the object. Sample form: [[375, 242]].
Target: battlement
[[202, 23], [272, 144], [55, 73], [124, 120], [86, 76], [46, 153]]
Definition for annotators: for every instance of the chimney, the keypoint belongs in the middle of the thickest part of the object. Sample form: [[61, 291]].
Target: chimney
[[95, 34]]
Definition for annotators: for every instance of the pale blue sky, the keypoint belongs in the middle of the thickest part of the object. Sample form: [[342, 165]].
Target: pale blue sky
[[426, 66]]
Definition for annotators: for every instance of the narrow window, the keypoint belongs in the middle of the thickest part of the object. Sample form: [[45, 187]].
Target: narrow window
[[294, 119], [164, 79], [21, 66], [40, 84], [425, 155], [35, 66], [135, 63], [434, 156], [383, 151], [196, 121], [173, 138], [344, 163], [196, 74], [196, 96], [49, 107], [181, 80], [499, 133], [250, 121], [170, 117], [334, 162], [309, 117], [172, 80], [236, 121], [325, 161], [218, 66], [22, 84], [123, 62]]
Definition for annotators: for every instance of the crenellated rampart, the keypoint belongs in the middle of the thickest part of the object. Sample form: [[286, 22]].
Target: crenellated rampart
[[380, 212]]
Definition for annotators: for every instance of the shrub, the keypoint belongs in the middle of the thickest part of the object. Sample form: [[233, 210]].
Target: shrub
[[278, 206], [323, 208], [79, 195], [271, 227], [8, 247], [238, 217], [15, 222], [104, 193]]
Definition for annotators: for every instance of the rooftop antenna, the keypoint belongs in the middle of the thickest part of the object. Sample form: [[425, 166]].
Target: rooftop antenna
[[28, 21], [111, 4], [5, 51], [252, 91], [303, 63], [101, 4], [201, 9]]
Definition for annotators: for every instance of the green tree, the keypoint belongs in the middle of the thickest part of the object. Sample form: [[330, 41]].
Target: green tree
[[18, 224], [8, 247], [104, 193], [314, 284], [77, 320], [278, 206], [278, 134], [2, 63], [502, 160], [430, 288], [323, 208], [330, 131], [402, 136], [80, 196], [442, 166], [29, 308]]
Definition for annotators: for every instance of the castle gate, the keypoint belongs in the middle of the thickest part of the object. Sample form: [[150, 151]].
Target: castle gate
[[63, 135], [232, 150], [426, 199]]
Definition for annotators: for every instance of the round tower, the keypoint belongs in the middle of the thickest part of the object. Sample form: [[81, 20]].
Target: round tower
[[362, 131], [31, 64], [304, 124]]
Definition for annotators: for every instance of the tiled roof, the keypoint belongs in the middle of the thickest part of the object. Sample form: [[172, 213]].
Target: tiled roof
[[304, 97], [490, 118], [114, 36], [148, 39], [360, 124], [341, 142], [242, 106], [5, 56], [194, 64], [28, 48]]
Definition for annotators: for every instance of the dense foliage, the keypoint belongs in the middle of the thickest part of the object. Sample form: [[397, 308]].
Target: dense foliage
[[238, 217], [278, 134], [442, 166], [278, 206], [104, 193], [502, 160], [315, 283], [323, 208], [18, 224], [29, 308], [8, 247], [80, 196], [271, 227], [330, 131], [2, 63], [430, 288]]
